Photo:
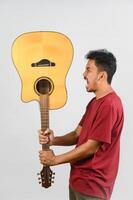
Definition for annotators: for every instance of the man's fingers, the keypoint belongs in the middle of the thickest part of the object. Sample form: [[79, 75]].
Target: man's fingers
[[46, 132], [40, 131], [44, 141], [44, 136]]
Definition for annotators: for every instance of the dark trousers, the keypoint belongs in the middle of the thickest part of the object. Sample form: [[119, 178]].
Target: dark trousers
[[73, 195]]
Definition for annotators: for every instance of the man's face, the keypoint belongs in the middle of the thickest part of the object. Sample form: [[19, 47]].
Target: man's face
[[91, 76]]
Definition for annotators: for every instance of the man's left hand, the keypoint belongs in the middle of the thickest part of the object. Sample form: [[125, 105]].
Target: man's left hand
[[47, 157]]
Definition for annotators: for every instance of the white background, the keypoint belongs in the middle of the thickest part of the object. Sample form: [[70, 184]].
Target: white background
[[90, 25]]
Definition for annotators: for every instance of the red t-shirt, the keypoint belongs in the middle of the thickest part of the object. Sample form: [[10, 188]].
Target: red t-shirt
[[102, 121]]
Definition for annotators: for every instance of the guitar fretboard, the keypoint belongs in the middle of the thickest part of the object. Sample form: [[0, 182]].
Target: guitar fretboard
[[44, 111]]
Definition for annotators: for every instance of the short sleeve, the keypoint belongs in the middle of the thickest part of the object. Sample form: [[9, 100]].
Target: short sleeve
[[103, 124]]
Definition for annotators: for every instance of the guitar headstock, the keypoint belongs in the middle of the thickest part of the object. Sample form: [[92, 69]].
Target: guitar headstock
[[46, 177]]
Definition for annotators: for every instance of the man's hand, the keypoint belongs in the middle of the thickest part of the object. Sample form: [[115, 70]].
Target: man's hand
[[47, 157], [46, 137]]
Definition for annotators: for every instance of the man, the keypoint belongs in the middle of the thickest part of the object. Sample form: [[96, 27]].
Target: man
[[94, 161]]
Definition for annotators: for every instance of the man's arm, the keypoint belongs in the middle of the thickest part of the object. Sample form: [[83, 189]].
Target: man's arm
[[68, 139], [83, 151]]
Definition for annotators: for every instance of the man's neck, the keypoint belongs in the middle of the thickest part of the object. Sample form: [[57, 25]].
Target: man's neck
[[103, 91]]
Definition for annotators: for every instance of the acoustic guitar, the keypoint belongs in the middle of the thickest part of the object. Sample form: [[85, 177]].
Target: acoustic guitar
[[42, 60]]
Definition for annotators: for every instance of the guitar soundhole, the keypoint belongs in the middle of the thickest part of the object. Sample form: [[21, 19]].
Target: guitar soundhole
[[44, 86]]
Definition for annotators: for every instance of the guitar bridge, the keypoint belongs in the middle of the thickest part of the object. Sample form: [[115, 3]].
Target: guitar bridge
[[43, 63]]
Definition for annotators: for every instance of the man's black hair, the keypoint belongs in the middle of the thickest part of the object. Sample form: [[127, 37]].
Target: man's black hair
[[104, 60]]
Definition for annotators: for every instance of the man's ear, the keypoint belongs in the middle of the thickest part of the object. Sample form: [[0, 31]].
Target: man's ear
[[102, 76]]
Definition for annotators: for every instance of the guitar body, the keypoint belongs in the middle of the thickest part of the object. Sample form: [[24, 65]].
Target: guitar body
[[40, 58]]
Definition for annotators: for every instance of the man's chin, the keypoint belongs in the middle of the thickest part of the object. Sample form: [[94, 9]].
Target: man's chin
[[89, 89]]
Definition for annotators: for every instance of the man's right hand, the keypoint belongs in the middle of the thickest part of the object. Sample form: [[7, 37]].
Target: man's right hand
[[46, 136]]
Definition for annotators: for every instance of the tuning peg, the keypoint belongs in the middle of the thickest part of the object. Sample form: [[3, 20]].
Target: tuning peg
[[53, 173], [38, 174], [52, 181], [39, 178], [40, 182]]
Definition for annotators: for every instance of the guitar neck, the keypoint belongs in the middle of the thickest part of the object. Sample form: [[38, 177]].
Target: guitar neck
[[44, 111], [46, 173]]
